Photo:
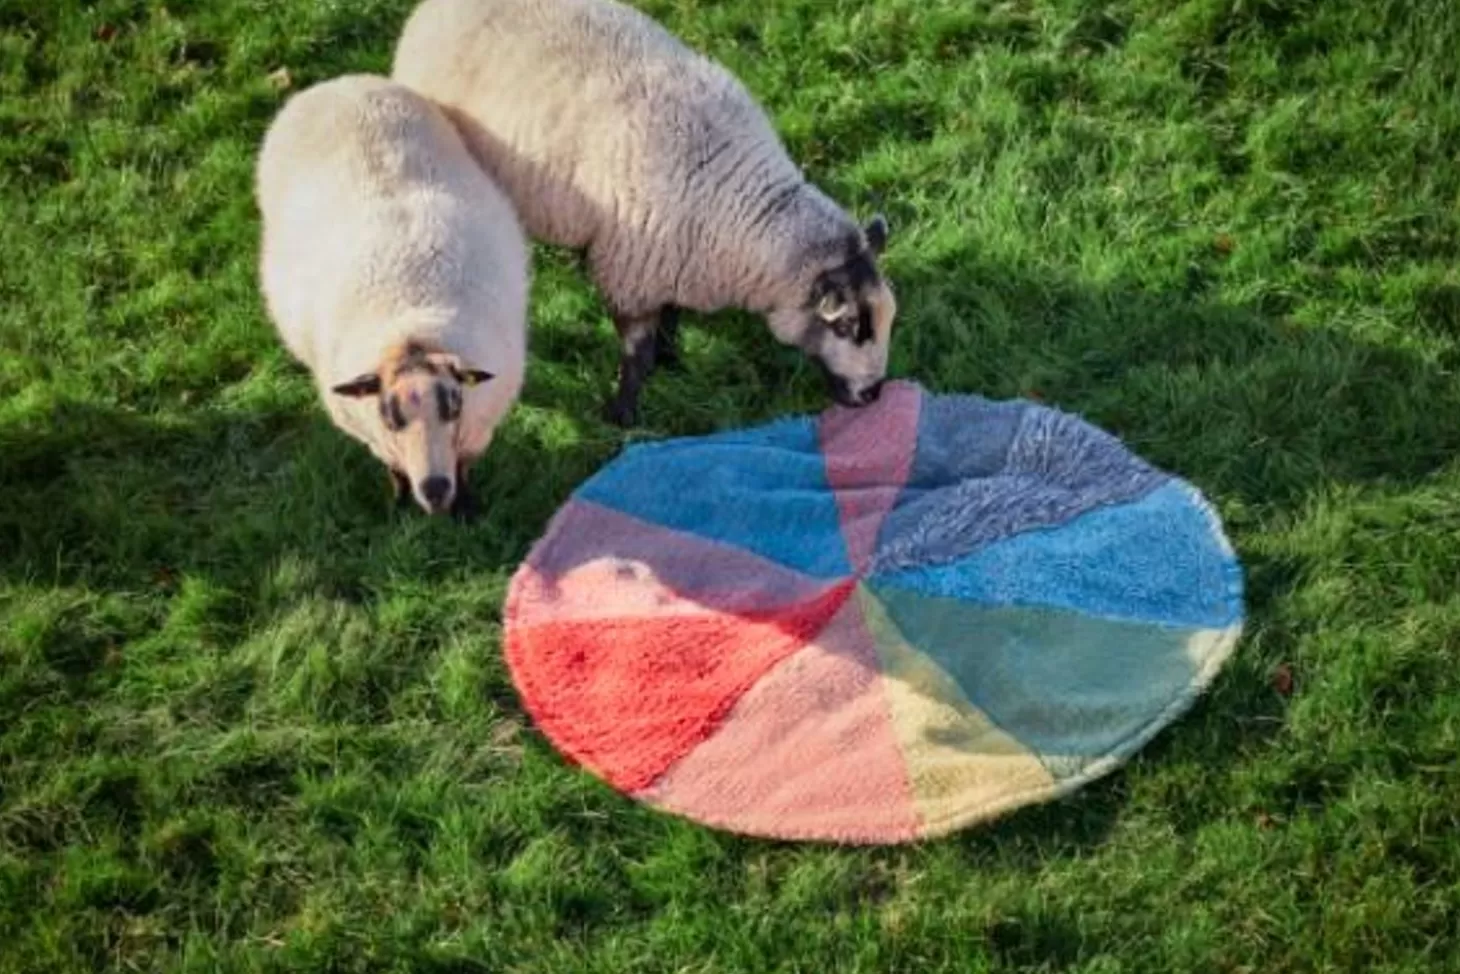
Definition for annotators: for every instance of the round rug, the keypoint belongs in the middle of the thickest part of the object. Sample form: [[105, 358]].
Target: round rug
[[874, 625]]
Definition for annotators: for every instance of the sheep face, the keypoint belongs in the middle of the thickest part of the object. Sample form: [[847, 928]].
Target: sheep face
[[843, 318], [419, 395]]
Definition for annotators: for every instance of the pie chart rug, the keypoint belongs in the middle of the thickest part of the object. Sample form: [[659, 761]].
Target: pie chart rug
[[875, 625]]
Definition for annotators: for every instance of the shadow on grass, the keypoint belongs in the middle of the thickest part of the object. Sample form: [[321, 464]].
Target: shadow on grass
[[1239, 400], [98, 496]]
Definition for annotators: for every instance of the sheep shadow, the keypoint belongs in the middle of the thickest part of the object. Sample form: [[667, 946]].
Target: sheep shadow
[[107, 497]]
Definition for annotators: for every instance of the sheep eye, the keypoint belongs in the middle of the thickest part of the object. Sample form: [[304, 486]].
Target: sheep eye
[[391, 414], [831, 306], [448, 404]]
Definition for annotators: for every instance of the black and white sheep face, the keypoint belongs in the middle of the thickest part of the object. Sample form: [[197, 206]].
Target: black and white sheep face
[[845, 321], [420, 401]]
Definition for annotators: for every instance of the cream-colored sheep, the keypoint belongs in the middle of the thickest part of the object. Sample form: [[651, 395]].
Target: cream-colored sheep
[[612, 136], [397, 272]]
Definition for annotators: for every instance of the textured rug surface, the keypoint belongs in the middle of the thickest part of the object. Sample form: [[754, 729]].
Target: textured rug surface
[[874, 625]]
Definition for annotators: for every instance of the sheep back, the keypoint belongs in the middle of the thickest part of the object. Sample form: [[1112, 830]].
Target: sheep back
[[377, 226], [611, 135]]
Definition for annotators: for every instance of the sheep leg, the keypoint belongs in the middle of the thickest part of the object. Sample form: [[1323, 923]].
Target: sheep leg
[[464, 506], [636, 361], [666, 350]]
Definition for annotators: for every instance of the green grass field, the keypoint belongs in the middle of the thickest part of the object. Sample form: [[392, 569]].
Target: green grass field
[[252, 720]]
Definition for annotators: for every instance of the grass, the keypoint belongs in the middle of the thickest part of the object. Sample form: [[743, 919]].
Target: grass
[[252, 721]]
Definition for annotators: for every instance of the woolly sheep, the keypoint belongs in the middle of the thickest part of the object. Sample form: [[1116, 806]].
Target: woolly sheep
[[397, 272], [611, 136]]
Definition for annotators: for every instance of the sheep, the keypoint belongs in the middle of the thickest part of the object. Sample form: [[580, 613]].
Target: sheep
[[613, 138], [397, 273]]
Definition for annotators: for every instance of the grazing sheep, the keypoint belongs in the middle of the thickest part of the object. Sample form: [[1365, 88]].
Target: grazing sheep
[[611, 136], [397, 272]]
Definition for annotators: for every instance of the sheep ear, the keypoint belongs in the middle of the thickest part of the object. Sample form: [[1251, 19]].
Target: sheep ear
[[360, 386], [473, 377], [876, 231]]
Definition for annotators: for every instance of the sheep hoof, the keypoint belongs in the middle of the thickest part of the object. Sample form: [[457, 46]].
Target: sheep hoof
[[621, 414], [669, 359]]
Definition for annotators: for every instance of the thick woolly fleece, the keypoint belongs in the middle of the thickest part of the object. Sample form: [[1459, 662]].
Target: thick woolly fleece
[[873, 626], [609, 133], [377, 226]]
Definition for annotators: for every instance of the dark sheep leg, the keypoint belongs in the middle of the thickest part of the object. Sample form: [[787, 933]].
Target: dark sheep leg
[[667, 350], [636, 360]]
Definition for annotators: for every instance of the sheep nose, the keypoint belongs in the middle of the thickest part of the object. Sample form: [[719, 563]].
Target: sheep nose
[[435, 490], [869, 395]]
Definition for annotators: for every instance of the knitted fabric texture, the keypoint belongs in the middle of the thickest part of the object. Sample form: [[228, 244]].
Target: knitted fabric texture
[[875, 625]]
